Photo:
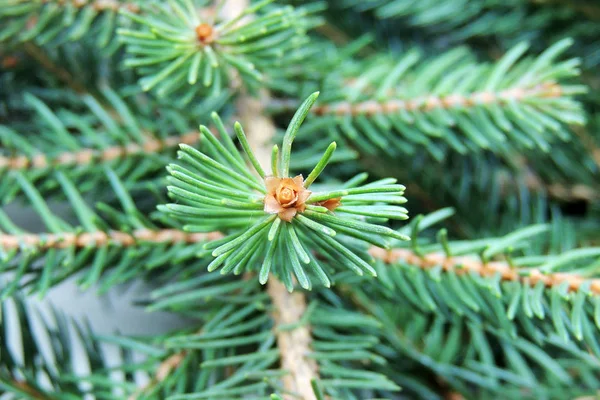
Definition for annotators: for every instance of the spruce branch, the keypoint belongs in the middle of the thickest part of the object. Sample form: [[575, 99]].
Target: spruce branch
[[515, 316], [98, 239], [276, 217], [476, 358], [239, 316], [54, 22], [448, 279], [466, 265], [428, 103], [111, 244], [341, 341], [85, 156], [135, 142], [395, 106], [177, 49], [431, 315], [459, 20]]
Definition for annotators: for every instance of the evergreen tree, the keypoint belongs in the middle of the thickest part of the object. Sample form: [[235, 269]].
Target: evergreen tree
[[276, 227]]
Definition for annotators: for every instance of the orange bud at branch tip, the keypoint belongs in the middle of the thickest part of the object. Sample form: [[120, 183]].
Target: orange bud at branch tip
[[285, 196], [204, 32]]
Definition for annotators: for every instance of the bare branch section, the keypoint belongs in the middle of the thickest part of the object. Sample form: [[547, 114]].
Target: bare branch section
[[87, 156], [464, 265], [294, 345], [101, 239], [427, 103]]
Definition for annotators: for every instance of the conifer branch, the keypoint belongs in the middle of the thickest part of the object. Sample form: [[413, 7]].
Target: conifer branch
[[38, 23], [102, 239], [399, 104], [200, 52], [87, 156], [136, 141], [427, 103], [463, 265]]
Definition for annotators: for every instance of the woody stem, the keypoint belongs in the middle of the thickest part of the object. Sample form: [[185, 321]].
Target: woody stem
[[294, 345]]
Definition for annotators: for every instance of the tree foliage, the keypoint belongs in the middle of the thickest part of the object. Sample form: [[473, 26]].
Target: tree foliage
[[291, 266]]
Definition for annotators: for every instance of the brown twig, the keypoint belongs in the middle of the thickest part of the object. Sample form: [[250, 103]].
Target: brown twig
[[427, 103], [101, 239], [162, 372], [463, 265], [87, 156], [294, 345], [24, 386], [458, 265]]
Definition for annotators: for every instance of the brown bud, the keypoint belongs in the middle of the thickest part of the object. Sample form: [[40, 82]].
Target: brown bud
[[204, 32], [331, 204], [285, 196]]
